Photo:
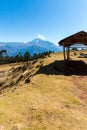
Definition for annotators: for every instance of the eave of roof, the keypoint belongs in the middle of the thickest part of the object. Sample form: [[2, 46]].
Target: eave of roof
[[80, 37]]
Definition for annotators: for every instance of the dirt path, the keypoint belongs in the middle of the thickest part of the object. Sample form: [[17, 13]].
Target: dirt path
[[80, 87]]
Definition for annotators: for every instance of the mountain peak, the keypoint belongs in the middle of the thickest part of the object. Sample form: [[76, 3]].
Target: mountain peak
[[37, 40], [41, 37]]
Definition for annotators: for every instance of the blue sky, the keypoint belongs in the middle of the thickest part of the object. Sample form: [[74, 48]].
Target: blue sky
[[24, 20]]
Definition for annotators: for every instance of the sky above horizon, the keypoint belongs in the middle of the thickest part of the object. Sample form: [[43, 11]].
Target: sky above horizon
[[53, 20]]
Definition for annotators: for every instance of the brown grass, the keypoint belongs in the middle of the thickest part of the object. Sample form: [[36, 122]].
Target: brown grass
[[48, 102]]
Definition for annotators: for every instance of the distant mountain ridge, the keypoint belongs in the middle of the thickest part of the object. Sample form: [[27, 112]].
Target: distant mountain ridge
[[35, 46]]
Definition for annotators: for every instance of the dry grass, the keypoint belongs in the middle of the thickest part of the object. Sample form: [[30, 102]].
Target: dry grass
[[48, 102]]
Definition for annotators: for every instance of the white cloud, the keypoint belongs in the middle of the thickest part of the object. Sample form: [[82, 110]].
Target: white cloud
[[41, 37]]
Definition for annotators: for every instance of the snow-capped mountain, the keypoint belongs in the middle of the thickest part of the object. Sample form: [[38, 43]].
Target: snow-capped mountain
[[35, 46]]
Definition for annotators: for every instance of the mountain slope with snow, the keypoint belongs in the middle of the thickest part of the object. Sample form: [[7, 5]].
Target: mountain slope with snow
[[35, 46]]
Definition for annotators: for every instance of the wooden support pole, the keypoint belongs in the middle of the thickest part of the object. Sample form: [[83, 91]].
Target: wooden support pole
[[68, 53], [64, 53]]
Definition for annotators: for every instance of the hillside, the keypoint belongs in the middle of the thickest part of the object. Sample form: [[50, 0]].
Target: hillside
[[45, 95]]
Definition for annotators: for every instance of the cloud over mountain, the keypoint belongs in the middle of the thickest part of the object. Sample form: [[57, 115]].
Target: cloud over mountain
[[41, 37]]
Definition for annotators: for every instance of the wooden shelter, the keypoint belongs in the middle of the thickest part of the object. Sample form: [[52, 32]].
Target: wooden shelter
[[78, 38]]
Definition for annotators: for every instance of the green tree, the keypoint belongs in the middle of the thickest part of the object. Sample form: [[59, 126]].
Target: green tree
[[27, 57], [3, 53]]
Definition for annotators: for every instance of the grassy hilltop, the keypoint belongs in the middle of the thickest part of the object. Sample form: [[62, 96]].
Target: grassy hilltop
[[45, 95]]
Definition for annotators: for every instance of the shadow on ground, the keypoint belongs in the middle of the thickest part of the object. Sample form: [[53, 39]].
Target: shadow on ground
[[64, 68]]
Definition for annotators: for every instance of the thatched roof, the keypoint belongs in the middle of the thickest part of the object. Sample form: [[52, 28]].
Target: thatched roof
[[80, 37]]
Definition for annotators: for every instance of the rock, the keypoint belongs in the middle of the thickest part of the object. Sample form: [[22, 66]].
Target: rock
[[25, 73], [1, 127], [27, 80], [15, 128]]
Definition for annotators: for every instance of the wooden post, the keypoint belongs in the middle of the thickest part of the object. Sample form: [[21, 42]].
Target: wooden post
[[68, 53], [64, 52]]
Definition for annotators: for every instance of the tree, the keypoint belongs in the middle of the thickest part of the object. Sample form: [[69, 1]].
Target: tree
[[27, 57], [18, 58], [3, 53]]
